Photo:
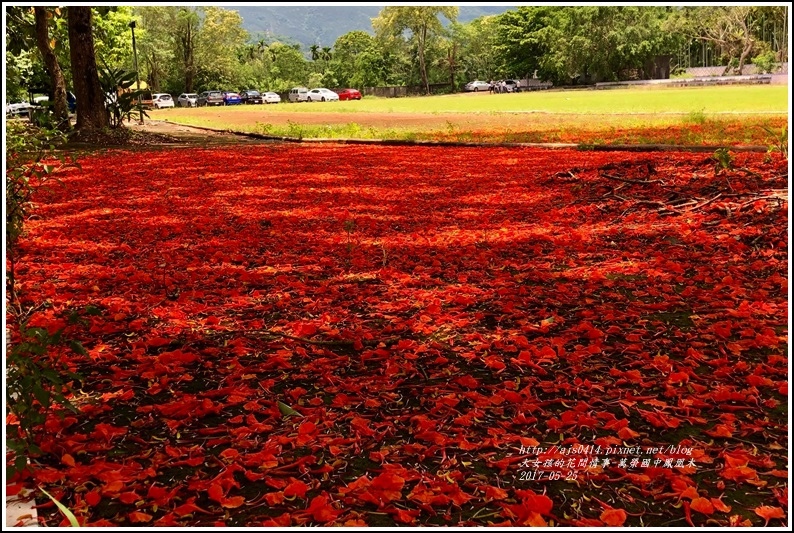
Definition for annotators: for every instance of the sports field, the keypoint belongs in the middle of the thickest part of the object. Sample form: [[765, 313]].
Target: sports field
[[692, 115]]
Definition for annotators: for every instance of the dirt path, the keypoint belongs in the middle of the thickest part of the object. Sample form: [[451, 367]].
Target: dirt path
[[189, 135]]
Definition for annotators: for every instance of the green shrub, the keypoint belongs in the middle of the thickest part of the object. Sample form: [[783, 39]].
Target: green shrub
[[765, 62]]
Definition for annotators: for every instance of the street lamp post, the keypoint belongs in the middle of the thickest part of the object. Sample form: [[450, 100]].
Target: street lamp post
[[137, 75]]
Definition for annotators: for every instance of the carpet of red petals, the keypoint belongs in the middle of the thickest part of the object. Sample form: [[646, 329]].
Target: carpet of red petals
[[428, 312]]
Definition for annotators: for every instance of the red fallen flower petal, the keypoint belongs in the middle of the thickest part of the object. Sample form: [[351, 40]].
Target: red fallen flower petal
[[138, 517], [93, 498], [283, 520], [167, 520], [495, 493], [321, 510], [613, 517], [388, 481], [296, 488], [307, 428], [229, 453], [233, 502], [539, 503], [741, 473], [216, 492], [129, 497], [158, 494], [767, 512], [720, 506], [186, 509], [275, 498], [406, 517], [702, 505]]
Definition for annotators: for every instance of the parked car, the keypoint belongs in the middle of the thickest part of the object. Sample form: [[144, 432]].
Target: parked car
[[19, 108], [322, 95], [71, 101], [477, 86], [230, 98], [271, 98], [210, 98], [251, 97], [187, 100], [298, 94], [161, 100], [511, 85], [349, 94]]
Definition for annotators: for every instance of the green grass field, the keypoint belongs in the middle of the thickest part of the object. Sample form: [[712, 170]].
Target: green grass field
[[736, 114], [725, 99]]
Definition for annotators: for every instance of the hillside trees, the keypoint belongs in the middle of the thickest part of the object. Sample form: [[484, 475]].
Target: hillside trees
[[184, 49], [423, 24]]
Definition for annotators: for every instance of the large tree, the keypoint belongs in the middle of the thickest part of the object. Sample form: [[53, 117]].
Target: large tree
[[33, 29], [59, 105], [91, 114], [220, 37], [421, 21], [726, 27], [591, 43]]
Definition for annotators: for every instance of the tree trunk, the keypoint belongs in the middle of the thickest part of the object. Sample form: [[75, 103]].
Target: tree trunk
[[452, 65], [91, 114], [748, 47], [188, 57], [422, 37], [60, 106]]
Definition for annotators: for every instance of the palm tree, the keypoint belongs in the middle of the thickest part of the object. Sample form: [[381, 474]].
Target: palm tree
[[325, 55]]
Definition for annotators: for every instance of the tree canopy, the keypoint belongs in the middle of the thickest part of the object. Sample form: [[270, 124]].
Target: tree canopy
[[191, 49]]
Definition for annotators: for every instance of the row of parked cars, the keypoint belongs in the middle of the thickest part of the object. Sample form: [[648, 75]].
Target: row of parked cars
[[219, 98], [214, 98], [321, 94]]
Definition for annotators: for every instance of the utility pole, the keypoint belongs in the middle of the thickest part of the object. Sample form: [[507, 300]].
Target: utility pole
[[137, 74]]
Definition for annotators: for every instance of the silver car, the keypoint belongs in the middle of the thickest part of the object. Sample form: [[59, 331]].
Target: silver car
[[477, 86], [187, 100]]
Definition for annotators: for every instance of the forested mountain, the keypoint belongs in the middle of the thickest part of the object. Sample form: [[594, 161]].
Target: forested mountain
[[322, 25]]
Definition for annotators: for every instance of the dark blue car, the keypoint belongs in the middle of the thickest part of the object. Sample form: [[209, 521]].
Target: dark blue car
[[230, 98], [71, 101]]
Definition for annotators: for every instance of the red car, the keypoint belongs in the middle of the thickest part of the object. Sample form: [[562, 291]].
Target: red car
[[349, 94]]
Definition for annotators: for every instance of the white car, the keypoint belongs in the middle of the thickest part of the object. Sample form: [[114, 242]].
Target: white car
[[271, 98], [20, 108], [161, 100], [477, 86], [322, 95], [187, 100]]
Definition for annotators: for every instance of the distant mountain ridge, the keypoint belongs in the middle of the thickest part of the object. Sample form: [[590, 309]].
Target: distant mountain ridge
[[322, 25]]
